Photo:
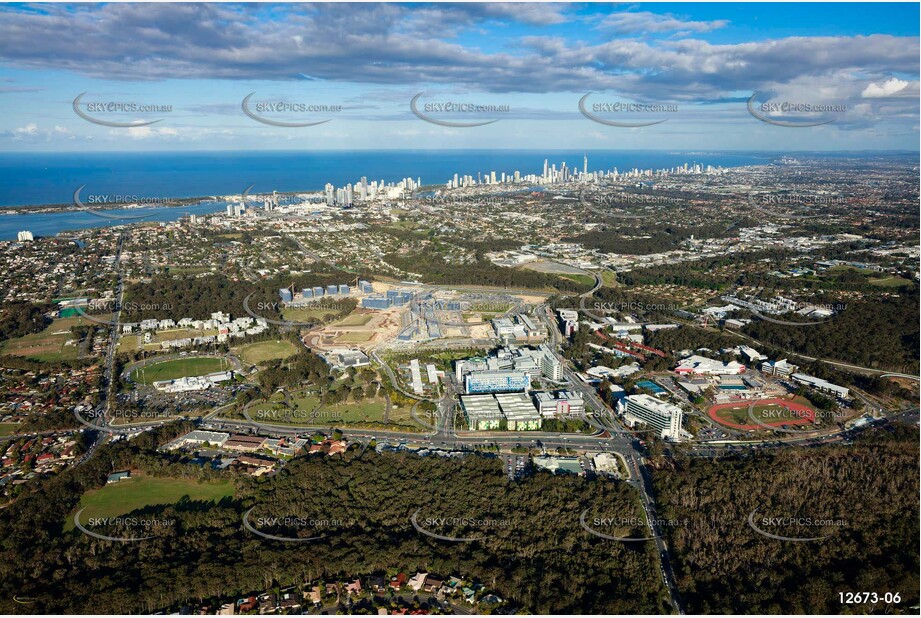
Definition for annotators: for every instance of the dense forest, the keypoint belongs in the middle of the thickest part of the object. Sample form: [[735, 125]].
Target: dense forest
[[174, 297], [23, 318], [711, 273], [645, 239], [532, 550], [883, 333], [483, 272], [869, 490]]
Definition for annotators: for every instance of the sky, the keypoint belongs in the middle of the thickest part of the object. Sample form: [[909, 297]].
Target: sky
[[650, 76]]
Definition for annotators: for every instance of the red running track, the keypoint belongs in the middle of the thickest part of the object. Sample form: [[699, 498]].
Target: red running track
[[805, 414]]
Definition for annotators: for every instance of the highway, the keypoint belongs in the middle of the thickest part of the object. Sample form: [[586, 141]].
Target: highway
[[95, 438], [621, 441]]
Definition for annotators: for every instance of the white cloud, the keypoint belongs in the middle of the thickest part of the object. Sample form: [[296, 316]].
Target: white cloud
[[887, 89], [28, 130], [645, 22], [139, 133]]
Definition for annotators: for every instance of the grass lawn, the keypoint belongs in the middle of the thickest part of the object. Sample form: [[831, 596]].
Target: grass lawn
[[355, 319], [128, 343], [48, 345], [738, 415], [305, 401], [890, 282], [772, 413], [8, 429], [303, 314], [255, 353], [585, 280], [179, 368], [134, 493], [356, 337], [364, 411], [308, 412], [608, 278]]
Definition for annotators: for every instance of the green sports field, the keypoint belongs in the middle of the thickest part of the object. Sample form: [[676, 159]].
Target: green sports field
[[48, 345], [255, 353], [179, 368], [134, 493]]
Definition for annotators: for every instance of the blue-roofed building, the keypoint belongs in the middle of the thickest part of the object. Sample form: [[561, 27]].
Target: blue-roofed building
[[118, 476], [307, 293], [401, 299], [344, 289], [285, 294], [318, 291], [365, 287], [331, 289], [376, 302]]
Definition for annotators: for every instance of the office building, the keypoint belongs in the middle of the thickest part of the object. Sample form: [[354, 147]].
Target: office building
[[25, 236], [653, 413], [559, 404], [821, 385], [376, 302], [779, 368], [569, 321], [550, 365]]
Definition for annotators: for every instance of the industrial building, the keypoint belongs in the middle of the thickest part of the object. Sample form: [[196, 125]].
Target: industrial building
[[653, 413]]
